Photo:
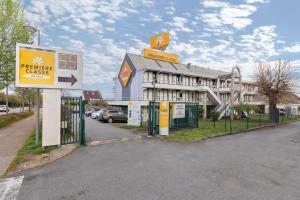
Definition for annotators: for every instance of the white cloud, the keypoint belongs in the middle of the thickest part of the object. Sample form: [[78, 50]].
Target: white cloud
[[293, 49], [257, 1], [214, 4], [155, 18], [236, 16], [179, 24], [260, 44], [170, 10]]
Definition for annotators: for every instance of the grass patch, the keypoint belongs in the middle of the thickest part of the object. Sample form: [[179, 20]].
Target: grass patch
[[29, 148], [207, 128], [13, 117]]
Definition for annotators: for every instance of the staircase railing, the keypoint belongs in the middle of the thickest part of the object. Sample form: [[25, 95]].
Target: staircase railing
[[222, 108]]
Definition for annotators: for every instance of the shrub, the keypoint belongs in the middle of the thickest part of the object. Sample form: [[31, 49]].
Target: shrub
[[200, 110], [215, 116]]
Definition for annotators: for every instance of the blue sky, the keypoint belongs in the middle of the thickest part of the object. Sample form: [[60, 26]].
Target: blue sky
[[215, 34]]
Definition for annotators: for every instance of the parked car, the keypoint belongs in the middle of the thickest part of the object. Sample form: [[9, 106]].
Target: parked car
[[3, 108], [282, 111], [98, 117], [95, 114], [113, 116], [89, 112], [94, 111]]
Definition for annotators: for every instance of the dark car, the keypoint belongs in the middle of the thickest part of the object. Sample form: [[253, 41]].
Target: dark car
[[113, 116], [282, 111]]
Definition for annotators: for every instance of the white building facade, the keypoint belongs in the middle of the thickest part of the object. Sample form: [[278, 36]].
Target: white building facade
[[165, 81]]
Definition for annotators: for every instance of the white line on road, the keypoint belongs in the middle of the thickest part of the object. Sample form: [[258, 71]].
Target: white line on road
[[10, 187]]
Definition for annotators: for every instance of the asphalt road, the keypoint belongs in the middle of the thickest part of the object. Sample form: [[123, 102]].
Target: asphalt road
[[96, 130], [258, 165]]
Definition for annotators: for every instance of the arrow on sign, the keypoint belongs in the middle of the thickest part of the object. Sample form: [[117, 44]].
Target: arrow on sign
[[71, 79]]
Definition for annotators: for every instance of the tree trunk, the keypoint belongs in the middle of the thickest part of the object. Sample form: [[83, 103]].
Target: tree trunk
[[272, 106]]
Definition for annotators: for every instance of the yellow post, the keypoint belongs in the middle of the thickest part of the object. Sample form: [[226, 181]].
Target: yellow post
[[164, 118]]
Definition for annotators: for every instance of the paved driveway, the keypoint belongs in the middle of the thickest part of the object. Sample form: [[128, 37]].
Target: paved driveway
[[258, 165], [96, 130]]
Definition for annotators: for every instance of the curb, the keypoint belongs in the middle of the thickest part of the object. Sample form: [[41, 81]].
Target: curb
[[42, 164], [230, 133]]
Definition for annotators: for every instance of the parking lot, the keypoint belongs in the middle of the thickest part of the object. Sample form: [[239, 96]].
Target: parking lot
[[258, 165]]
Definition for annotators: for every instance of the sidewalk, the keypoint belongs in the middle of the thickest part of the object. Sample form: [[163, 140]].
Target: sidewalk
[[12, 138]]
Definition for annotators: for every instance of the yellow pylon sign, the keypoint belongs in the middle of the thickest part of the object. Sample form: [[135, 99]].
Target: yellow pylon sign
[[160, 41]]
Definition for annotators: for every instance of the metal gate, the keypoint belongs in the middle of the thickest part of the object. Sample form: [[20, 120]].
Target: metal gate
[[72, 128], [190, 119], [153, 118]]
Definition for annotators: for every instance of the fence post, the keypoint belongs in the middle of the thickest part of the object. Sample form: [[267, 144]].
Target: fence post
[[248, 117], [82, 122], [225, 121], [230, 122], [259, 122]]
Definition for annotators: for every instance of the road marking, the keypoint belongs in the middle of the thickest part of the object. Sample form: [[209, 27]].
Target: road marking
[[10, 187]]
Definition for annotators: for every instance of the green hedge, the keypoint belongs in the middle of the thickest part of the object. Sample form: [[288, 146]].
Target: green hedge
[[13, 117]]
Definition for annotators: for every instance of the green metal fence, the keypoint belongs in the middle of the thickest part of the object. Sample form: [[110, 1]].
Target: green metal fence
[[153, 118], [190, 119], [72, 120]]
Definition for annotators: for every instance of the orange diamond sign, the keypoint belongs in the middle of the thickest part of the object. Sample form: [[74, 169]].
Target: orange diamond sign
[[125, 74]]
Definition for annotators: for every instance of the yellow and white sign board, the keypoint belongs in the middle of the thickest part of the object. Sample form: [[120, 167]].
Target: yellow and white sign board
[[160, 41], [38, 67], [178, 110], [164, 118], [159, 55], [134, 113]]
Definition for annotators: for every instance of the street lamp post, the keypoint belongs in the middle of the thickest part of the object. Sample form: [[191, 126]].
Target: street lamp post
[[37, 122], [154, 91]]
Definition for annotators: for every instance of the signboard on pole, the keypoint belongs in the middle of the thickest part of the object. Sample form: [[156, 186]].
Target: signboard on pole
[[164, 118], [38, 67], [178, 110], [134, 113], [160, 41]]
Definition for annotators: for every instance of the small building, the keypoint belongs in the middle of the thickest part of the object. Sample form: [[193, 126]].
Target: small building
[[93, 96]]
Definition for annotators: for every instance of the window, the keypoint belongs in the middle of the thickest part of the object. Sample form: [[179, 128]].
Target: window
[[178, 79]]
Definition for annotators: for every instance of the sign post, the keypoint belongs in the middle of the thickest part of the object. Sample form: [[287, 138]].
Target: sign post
[[134, 113], [38, 67], [178, 110], [164, 118]]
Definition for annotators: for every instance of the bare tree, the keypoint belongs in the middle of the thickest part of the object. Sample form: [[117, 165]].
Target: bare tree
[[274, 81]]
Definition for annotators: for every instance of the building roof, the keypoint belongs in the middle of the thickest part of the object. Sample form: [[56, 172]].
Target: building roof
[[289, 98], [92, 95], [142, 63]]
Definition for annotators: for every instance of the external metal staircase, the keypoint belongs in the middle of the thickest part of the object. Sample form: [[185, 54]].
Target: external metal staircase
[[211, 93], [221, 108]]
